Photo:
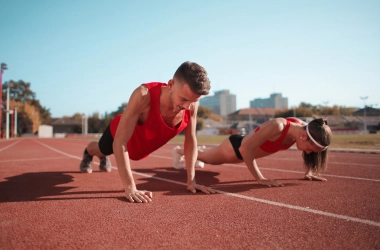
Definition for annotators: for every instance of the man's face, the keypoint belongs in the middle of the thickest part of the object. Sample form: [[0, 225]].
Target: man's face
[[182, 97]]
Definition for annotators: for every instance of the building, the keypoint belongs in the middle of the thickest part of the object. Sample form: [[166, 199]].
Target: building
[[222, 103], [67, 125], [275, 101], [249, 118]]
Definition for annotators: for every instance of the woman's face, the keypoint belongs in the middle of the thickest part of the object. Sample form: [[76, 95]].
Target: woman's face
[[304, 144]]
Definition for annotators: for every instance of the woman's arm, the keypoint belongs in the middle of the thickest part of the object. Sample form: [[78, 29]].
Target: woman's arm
[[253, 141]]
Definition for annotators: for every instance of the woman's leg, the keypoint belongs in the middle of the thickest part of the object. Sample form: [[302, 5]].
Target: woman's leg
[[223, 153]]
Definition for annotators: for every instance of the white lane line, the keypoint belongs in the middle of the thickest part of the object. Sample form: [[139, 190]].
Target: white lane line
[[36, 159], [300, 172], [4, 148], [304, 209], [286, 171], [330, 162], [58, 151]]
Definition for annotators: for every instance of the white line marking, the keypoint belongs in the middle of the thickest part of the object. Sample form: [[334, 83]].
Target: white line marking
[[286, 171], [309, 210], [337, 216], [36, 159], [300, 172], [10, 145], [330, 162]]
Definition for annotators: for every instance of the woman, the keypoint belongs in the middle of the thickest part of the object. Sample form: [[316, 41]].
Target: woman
[[272, 136]]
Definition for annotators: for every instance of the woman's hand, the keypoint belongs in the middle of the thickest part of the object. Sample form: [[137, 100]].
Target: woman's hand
[[141, 196]]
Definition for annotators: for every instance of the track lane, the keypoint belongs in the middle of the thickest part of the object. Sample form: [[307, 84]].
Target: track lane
[[177, 219]]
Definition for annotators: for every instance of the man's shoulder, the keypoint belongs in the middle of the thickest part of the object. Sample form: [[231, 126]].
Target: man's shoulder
[[150, 85]]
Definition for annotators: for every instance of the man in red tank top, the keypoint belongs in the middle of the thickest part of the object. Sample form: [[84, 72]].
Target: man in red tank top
[[156, 112]]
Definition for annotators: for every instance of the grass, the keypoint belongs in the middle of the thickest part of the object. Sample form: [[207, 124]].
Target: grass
[[351, 141]]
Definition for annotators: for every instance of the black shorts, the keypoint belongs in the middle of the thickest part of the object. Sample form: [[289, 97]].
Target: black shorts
[[236, 142], [105, 142]]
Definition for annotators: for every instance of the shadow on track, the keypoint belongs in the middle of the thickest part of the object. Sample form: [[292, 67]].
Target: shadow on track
[[32, 186], [203, 177]]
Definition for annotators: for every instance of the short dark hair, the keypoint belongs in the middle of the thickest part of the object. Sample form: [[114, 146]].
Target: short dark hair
[[321, 132], [195, 76]]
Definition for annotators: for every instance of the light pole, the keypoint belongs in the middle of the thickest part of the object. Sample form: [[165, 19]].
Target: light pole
[[15, 129], [325, 103], [84, 124], [7, 114], [3, 67], [365, 122]]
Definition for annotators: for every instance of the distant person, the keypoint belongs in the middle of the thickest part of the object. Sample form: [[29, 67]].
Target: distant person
[[156, 112], [272, 136]]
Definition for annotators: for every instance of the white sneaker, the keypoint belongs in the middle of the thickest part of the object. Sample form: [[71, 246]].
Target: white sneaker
[[199, 164], [177, 164], [201, 148]]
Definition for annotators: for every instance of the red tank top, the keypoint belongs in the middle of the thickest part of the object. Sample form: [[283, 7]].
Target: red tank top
[[274, 146], [154, 133]]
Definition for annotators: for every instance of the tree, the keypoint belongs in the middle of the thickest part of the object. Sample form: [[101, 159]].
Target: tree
[[21, 94], [308, 110], [203, 112], [120, 109]]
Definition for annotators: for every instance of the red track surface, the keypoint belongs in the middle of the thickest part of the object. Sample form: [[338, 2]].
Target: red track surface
[[47, 204]]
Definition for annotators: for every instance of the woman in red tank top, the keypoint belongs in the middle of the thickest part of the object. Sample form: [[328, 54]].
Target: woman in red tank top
[[272, 136]]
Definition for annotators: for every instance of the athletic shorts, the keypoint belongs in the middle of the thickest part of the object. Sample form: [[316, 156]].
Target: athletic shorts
[[236, 142], [105, 142]]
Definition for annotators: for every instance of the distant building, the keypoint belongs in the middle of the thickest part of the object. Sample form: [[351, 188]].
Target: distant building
[[249, 118], [369, 111], [254, 114], [67, 125], [275, 101], [222, 103]]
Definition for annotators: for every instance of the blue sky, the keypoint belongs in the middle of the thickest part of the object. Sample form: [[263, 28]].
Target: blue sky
[[88, 56]]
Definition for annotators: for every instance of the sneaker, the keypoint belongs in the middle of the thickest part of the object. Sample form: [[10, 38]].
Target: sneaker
[[177, 164], [105, 165], [85, 165], [199, 164]]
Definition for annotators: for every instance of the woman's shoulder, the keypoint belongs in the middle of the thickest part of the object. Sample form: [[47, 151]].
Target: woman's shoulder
[[296, 120], [276, 124]]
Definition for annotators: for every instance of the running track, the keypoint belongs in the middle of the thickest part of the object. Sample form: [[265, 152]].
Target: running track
[[47, 204]]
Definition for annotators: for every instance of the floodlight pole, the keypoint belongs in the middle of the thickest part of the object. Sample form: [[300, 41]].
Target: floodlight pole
[[365, 121], [325, 103], [15, 129], [84, 125], [3, 67], [7, 114]]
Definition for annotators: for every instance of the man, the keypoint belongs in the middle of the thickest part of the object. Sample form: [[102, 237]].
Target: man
[[156, 112]]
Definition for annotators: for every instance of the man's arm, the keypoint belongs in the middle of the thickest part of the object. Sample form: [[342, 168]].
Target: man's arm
[[138, 101], [191, 153]]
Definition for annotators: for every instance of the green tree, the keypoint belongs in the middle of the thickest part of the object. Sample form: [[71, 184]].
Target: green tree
[[203, 112], [22, 93]]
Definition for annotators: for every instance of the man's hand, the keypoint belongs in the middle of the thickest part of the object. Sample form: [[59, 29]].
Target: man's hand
[[312, 177], [270, 183], [194, 187], [141, 196]]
